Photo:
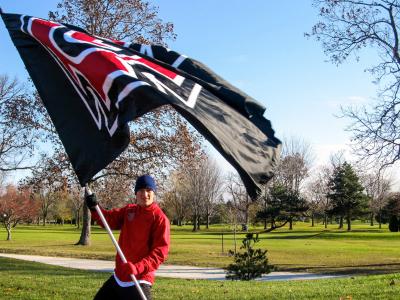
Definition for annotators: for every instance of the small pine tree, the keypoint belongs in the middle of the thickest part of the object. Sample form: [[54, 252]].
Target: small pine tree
[[393, 224], [250, 264]]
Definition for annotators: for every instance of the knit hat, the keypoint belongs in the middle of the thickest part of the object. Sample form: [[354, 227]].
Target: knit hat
[[145, 181]]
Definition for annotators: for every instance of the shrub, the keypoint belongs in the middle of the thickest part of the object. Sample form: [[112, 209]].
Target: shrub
[[249, 264]]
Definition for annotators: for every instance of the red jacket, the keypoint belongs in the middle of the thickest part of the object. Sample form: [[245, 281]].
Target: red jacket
[[144, 238]]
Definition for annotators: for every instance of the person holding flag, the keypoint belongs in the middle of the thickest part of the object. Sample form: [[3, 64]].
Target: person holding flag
[[144, 239]]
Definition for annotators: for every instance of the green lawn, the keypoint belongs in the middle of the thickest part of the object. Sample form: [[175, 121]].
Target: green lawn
[[28, 280], [306, 248]]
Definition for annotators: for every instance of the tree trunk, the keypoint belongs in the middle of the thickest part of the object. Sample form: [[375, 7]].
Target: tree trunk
[[348, 219], [8, 227], [380, 220], [326, 220], [78, 219], [85, 233], [234, 237], [77, 216], [246, 216], [198, 222], [312, 219], [194, 222], [291, 224], [207, 221], [340, 222], [265, 224], [372, 219]]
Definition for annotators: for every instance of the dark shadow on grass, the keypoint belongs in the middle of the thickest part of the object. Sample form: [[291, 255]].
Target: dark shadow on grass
[[55, 245], [369, 269], [292, 237]]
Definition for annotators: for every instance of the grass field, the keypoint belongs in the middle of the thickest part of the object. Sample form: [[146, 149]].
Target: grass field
[[364, 250], [28, 280]]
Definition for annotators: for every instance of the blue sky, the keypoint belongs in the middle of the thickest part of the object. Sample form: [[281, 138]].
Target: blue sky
[[260, 47]]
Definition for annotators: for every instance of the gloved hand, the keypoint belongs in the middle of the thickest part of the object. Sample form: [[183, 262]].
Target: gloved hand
[[91, 201], [128, 269]]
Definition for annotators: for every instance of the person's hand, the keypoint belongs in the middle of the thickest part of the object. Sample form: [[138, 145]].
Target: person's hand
[[127, 269], [91, 201]]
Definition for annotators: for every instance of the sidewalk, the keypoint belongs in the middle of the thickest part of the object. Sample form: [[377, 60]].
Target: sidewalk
[[171, 271]]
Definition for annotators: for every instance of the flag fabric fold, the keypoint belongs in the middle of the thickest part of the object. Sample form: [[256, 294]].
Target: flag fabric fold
[[92, 87]]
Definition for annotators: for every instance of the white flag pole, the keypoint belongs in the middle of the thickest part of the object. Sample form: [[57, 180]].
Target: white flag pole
[[117, 247]]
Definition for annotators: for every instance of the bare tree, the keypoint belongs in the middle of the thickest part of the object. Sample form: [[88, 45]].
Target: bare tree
[[175, 201], [317, 191], [194, 189], [239, 199], [294, 166], [295, 163], [314, 199], [377, 188], [132, 20], [75, 202], [213, 185], [16, 139], [346, 28]]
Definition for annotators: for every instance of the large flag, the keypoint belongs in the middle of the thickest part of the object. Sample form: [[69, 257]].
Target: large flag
[[92, 87]]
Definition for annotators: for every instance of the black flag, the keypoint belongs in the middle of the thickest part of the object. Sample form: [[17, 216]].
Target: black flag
[[92, 87]]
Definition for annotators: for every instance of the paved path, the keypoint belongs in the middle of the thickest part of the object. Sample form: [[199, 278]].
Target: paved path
[[171, 271]]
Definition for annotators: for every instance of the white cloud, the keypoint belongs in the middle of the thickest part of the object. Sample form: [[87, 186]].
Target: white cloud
[[323, 152]]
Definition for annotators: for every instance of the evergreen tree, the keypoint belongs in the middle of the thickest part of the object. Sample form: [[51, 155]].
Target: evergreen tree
[[391, 212], [251, 263], [346, 193], [281, 206]]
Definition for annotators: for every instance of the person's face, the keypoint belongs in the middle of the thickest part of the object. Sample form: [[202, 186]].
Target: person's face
[[145, 197]]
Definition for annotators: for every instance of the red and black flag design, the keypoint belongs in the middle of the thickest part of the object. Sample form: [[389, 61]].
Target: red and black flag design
[[92, 87]]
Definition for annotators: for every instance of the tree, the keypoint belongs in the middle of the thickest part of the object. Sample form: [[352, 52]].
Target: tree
[[377, 189], [15, 207], [391, 211], [346, 28], [282, 206], [295, 163], [263, 205], [294, 166], [196, 188], [199, 189], [131, 20], [239, 199], [250, 264], [213, 185], [175, 201], [346, 193], [75, 202], [47, 185], [317, 190], [16, 139]]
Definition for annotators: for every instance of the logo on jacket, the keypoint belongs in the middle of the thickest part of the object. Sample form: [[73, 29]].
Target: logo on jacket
[[131, 216]]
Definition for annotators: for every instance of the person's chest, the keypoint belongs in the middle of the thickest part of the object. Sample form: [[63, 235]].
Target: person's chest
[[138, 224]]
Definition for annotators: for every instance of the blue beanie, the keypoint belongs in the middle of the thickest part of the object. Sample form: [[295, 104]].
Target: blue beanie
[[145, 181]]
